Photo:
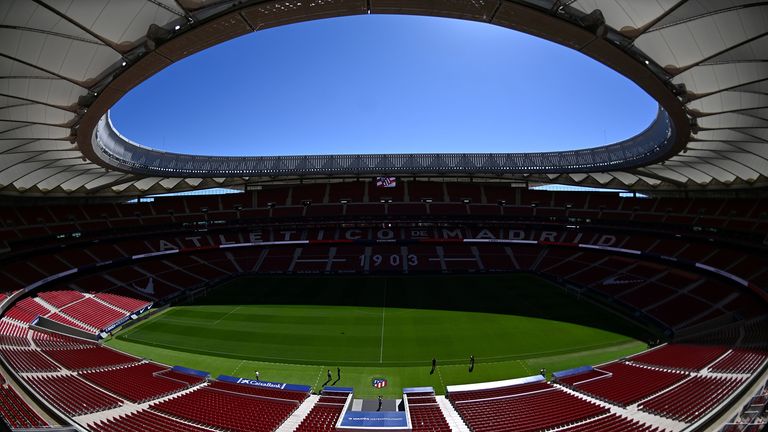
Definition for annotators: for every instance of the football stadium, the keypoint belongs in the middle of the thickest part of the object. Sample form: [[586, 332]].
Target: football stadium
[[621, 286]]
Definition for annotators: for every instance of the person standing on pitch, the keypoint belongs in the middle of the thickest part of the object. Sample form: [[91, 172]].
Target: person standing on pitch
[[338, 373], [471, 362], [257, 376], [434, 365], [330, 376], [379, 403]]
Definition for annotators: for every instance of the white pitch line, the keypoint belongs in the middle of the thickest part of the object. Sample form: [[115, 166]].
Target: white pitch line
[[227, 314]]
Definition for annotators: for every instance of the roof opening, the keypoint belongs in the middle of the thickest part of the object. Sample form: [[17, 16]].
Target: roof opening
[[383, 84]]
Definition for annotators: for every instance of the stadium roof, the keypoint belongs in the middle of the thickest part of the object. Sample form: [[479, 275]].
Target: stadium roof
[[64, 63]]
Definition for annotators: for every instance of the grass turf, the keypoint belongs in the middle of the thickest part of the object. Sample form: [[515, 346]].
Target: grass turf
[[295, 329]]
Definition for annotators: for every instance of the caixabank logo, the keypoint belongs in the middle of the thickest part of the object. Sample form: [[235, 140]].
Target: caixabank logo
[[379, 382]]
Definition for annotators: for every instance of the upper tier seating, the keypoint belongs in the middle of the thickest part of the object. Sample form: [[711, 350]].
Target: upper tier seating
[[125, 303], [93, 313], [63, 319], [59, 299], [26, 310]]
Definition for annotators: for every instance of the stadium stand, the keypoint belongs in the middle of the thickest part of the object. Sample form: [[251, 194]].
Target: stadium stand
[[136, 383], [16, 413], [13, 333], [682, 357], [675, 294], [27, 360], [325, 413], [54, 341], [264, 392], [71, 394], [144, 420], [692, 399], [740, 361], [93, 313], [426, 415], [59, 299], [125, 303], [626, 384], [92, 357], [525, 408], [612, 423], [223, 408]]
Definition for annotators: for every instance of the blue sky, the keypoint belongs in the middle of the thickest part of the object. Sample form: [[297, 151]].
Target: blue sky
[[383, 84]]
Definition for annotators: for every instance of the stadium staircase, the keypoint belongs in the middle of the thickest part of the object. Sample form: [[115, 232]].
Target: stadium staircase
[[451, 416], [301, 412]]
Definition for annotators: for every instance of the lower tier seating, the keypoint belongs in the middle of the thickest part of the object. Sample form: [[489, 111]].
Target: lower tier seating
[[13, 334], [93, 313], [324, 415], [136, 383], [16, 412], [499, 392], [72, 395], [628, 384], [526, 412], [692, 399], [224, 409], [54, 341], [190, 380], [742, 361], [28, 360], [612, 423], [322, 418], [681, 356], [260, 391], [144, 421], [89, 358], [428, 418]]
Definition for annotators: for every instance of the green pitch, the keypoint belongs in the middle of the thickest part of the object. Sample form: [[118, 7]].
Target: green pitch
[[295, 329]]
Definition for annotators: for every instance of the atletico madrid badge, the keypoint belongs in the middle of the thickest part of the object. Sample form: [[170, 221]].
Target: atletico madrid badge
[[379, 383]]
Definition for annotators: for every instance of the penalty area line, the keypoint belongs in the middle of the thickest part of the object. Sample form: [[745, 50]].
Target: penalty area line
[[227, 314]]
